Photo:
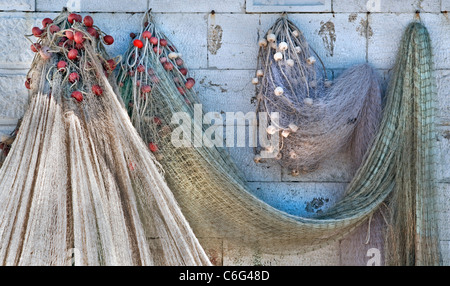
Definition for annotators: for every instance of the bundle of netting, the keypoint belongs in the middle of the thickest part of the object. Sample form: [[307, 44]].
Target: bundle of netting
[[312, 116], [413, 235], [78, 186], [209, 187]]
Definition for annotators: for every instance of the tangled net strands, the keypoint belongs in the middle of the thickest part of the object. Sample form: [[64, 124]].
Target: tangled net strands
[[217, 202], [315, 118], [78, 179]]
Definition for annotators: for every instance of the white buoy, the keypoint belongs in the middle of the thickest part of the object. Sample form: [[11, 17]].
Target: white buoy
[[278, 56], [308, 101], [290, 62], [310, 60], [282, 46], [271, 130], [271, 38], [279, 91]]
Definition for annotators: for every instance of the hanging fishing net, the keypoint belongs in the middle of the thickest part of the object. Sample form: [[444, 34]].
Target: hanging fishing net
[[413, 236], [159, 94], [314, 117], [78, 186]]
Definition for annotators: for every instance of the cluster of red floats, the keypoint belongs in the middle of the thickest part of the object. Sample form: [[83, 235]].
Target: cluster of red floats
[[171, 61], [71, 43]]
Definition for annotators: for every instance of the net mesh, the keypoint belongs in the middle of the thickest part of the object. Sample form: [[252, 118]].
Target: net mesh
[[216, 199], [78, 186]]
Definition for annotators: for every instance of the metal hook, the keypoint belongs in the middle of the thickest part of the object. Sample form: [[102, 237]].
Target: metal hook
[[417, 15]]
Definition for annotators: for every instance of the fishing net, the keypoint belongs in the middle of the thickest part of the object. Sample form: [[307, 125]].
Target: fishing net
[[413, 236], [216, 199], [78, 186], [315, 118]]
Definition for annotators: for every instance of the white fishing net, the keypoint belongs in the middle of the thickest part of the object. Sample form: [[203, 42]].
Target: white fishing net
[[316, 117]]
